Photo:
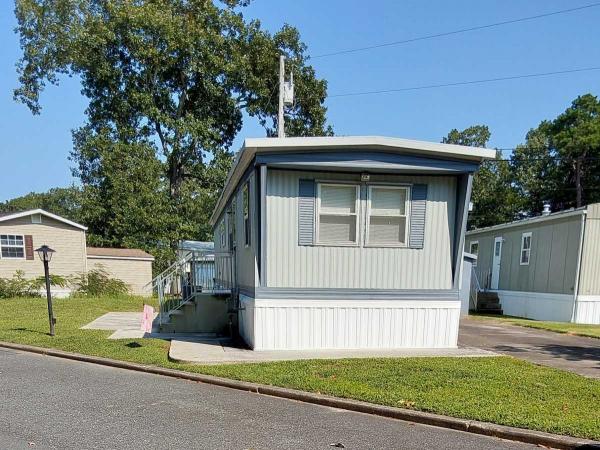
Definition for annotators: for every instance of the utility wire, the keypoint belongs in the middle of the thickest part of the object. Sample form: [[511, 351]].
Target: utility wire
[[450, 33], [464, 83]]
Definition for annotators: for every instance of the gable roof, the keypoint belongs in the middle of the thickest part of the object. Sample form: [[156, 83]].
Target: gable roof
[[340, 143], [127, 253], [15, 215]]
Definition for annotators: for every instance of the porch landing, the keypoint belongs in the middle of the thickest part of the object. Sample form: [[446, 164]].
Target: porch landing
[[225, 351]]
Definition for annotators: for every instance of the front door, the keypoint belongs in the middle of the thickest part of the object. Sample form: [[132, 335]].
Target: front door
[[496, 263]]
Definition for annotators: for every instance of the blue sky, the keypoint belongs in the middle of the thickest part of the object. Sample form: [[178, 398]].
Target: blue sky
[[34, 149]]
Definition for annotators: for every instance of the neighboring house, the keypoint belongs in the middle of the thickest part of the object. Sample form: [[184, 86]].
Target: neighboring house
[[346, 242], [545, 267], [133, 266], [22, 232]]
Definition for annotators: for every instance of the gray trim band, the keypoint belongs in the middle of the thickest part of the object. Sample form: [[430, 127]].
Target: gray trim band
[[356, 294], [366, 161]]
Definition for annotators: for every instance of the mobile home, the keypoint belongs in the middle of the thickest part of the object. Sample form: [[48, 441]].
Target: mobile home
[[346, 242], [545, 267]]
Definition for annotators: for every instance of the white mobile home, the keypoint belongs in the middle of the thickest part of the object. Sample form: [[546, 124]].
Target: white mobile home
[[346, 242], [545, 267]]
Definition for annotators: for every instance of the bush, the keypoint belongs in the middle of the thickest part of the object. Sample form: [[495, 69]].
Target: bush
[[19, 286], [97, 283]]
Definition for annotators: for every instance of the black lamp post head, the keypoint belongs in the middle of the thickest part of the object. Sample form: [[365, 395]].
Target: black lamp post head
[[45, 253]]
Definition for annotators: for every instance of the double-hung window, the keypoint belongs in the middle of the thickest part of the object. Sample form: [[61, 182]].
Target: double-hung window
[[12, 246], [337, 214], [387, 218], [525, 249], [222, 234]]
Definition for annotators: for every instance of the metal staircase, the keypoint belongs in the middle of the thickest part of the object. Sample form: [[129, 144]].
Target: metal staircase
[[481, 300], [194, 273]]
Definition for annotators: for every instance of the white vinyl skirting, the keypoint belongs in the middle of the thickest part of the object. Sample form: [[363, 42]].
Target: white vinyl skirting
[[587, 309], [537, 306], [551, 307], [299, 324]]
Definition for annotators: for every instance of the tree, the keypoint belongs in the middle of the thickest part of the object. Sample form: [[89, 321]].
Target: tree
[[495, 200], [167, 83], [178, 71], [560, 160], [65, 202]]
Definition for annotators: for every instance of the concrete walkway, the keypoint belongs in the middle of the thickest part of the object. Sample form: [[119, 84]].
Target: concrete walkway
[[224, 351], [126, 325], [573, 353]]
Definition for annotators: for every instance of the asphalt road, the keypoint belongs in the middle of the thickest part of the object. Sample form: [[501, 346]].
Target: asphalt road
[[576, 354], [55, 403]]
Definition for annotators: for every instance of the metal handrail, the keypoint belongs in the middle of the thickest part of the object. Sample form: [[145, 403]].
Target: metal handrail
[[474, 289], [198, 271]]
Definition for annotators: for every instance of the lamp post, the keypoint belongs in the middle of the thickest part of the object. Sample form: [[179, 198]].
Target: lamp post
[[45, 254]]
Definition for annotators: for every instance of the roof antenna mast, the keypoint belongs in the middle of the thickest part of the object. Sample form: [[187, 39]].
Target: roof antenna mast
[[286, 96]]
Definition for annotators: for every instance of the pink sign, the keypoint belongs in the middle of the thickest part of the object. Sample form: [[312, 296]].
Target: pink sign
[[147, 318]]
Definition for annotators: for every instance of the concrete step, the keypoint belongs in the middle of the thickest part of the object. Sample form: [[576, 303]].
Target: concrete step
[[499, 312], [487, 296], [488, 304]]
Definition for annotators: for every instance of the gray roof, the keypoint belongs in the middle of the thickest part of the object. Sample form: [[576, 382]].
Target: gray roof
[[340, 143]]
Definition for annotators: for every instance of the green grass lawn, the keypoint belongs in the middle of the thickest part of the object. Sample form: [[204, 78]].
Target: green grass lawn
[[502, 390], [558, 327]]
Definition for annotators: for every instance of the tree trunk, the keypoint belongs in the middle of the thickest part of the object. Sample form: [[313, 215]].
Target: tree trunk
[[175, 179]]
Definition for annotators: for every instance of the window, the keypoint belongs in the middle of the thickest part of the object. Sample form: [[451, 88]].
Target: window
[[222, 233], [232, 217], [12, 246], [246, 200], [525, 248], [474, 250], [337, 214], [387, 220], [36, 218]]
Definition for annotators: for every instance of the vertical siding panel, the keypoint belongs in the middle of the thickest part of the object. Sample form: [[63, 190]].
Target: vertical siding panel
[[291, 265]]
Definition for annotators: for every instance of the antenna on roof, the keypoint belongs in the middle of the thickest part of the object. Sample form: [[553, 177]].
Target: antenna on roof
[[286, 96]]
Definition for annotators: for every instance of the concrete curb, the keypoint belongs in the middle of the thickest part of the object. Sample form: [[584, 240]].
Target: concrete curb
[[471, 426]]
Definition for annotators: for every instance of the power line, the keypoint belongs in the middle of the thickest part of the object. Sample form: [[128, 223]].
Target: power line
[[450, 33], [464, 83]]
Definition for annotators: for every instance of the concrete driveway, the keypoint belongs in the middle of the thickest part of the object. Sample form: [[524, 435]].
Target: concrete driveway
[[573, 353]]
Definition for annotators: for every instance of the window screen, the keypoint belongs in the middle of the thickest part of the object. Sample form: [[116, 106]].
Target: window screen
[[337, 214], [388, 215], [525, 248]]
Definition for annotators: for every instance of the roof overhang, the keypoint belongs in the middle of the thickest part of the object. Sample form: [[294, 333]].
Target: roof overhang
[[312, 145], [43, 213], [128, 258]]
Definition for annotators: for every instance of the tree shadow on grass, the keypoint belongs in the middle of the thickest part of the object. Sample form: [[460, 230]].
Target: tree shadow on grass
[[45, 333]]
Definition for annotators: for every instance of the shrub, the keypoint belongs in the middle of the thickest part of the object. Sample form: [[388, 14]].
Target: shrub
[[19, 286], [97, 282], [55, 280]]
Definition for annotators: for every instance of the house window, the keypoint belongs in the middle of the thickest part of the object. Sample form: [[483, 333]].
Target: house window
[[474, 250], [387, 219], [525, 248], [222, 233], [36, 218], [12, 246], [337, 214], [232, 222], [246, 200]]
